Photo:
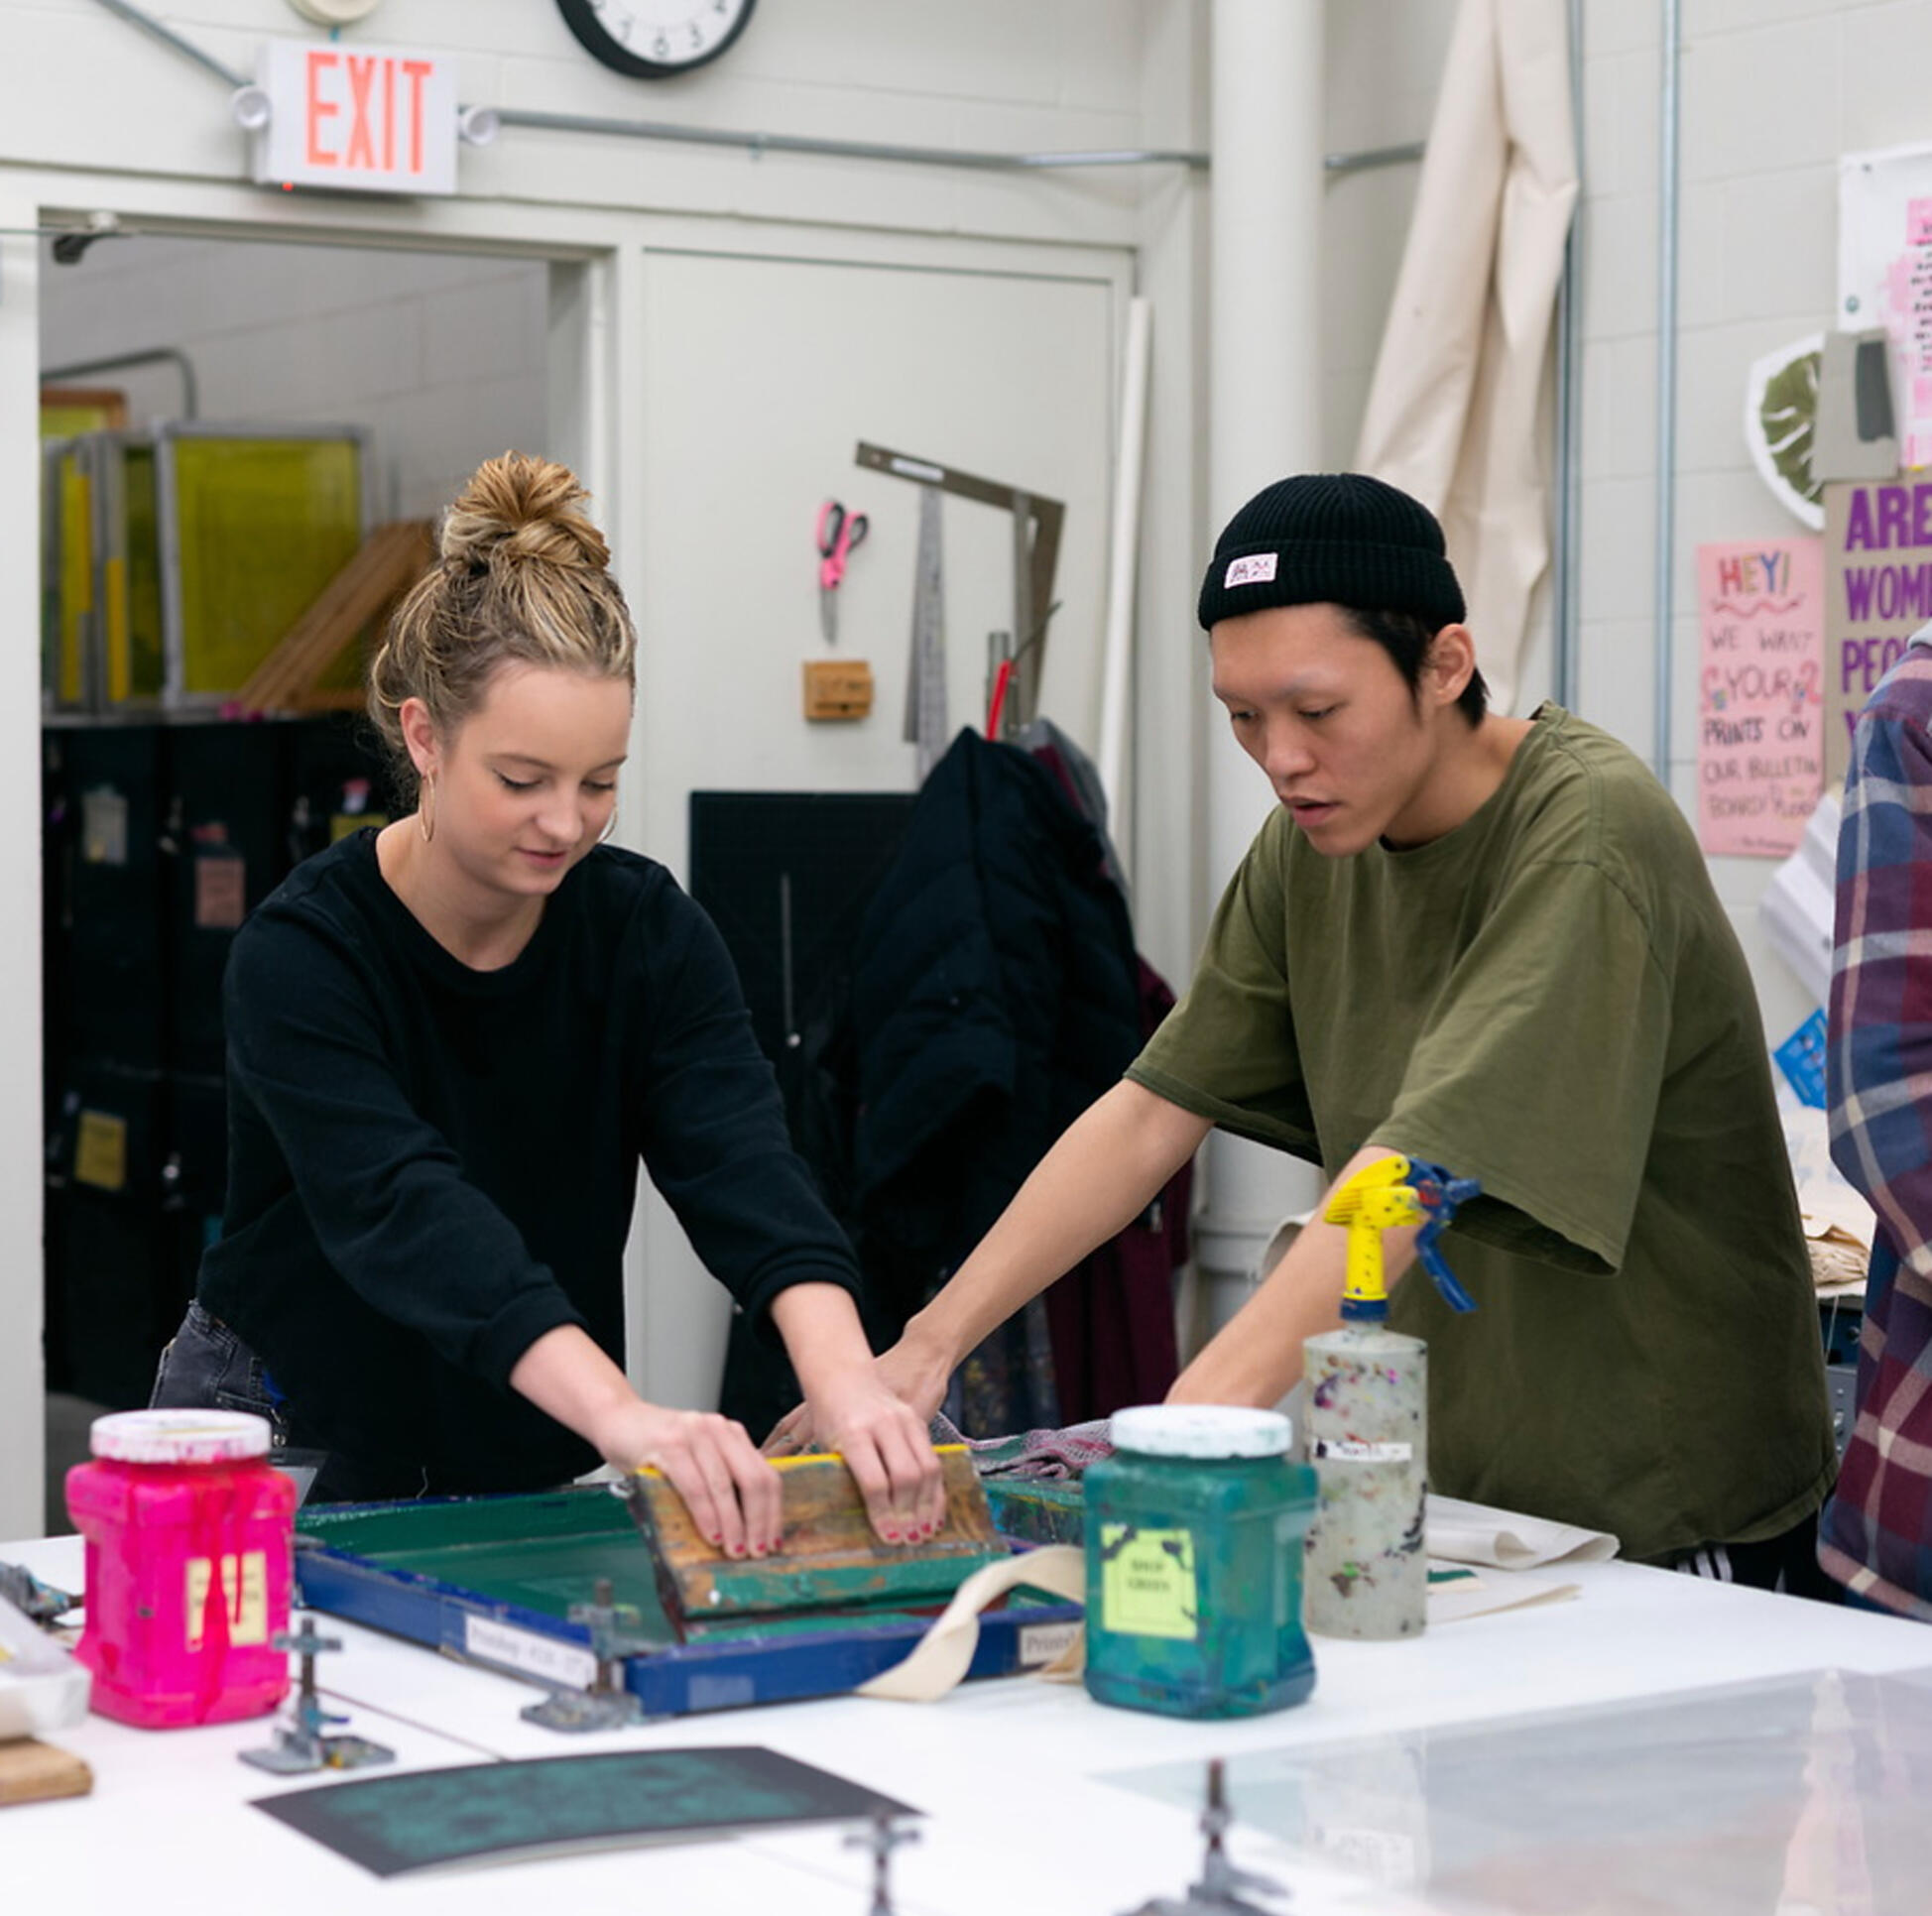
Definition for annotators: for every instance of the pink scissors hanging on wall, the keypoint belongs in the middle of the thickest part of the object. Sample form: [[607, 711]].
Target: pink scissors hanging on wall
[[840, 534]]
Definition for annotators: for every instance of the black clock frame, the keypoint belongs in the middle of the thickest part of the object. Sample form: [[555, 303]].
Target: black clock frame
[[596, 40]]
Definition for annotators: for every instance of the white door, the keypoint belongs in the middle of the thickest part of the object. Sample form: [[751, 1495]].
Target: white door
[[760, 377]]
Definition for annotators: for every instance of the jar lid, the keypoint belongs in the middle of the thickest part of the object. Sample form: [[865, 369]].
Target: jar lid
[[179, 1436], [1201, 1430]]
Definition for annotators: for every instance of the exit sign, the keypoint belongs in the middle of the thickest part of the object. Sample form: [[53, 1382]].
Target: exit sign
[[381, 120]]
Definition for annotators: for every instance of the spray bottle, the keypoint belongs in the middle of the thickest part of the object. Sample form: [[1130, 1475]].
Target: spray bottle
[[1367, 1415]]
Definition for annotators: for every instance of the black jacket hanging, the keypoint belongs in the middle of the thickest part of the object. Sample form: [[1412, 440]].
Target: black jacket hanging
[[996, 997]]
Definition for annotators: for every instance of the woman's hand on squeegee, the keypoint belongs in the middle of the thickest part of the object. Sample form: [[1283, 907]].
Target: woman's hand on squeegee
[[732, 1492], [916, 1379], [852, 1407], [887, 1448]]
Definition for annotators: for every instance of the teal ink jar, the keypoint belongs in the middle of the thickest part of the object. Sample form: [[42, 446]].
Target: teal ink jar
[[1195, 1534]]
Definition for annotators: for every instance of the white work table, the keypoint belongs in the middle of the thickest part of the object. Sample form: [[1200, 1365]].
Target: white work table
[[1010, 1775]]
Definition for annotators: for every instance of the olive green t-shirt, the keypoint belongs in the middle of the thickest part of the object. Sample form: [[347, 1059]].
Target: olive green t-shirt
[[1548, 999]]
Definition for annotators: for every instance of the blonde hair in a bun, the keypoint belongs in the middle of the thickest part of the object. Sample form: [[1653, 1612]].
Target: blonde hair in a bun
[[521, 576]]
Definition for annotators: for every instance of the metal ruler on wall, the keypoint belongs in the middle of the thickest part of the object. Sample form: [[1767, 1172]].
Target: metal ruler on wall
[[1036, 523]]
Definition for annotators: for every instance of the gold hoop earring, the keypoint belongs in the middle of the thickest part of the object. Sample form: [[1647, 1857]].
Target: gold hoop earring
[[426, 807]]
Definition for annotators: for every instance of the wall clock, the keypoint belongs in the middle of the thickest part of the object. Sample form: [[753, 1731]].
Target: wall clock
[[335, 13], [655, 39]]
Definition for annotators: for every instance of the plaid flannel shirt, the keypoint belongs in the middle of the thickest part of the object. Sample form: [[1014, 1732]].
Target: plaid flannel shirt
[[1875, 1533]]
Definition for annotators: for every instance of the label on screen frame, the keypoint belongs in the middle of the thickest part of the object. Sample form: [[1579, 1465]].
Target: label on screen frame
[[1045, 1642], [534, 1655]]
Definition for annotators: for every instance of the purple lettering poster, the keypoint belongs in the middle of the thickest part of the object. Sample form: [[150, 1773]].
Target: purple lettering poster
[[1878, 593], [1760, 707]]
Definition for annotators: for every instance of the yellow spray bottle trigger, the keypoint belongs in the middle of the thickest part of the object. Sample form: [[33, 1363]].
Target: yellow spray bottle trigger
[[1383, 1196]]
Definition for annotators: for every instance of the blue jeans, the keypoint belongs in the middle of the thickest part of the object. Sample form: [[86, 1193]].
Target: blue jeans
[[207, 1366]]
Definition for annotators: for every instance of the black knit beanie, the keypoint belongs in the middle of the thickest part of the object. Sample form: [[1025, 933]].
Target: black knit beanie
[[1338, 537]]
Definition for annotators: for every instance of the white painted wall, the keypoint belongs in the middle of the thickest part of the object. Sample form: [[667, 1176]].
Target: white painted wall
[[21, 1314], [1771, 94], [94, 115], [1169, 707], [1384, 65], [81, 88], [760, 374], [91, 114], [1384, 62]]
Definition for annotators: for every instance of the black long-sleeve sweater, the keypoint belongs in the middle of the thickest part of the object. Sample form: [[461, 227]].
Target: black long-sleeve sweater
[[430, 1167]]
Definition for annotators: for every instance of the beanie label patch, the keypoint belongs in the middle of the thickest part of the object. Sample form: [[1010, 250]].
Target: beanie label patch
[[1257, 568]]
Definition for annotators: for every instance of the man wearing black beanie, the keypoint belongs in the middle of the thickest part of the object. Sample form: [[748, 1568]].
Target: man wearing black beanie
[[1490, 944]]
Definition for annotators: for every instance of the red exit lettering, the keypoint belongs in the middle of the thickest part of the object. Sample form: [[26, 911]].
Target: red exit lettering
[[380, 100]]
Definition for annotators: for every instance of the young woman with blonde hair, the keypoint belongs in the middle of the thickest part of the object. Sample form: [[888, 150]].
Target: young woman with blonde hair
[[450, 1043]]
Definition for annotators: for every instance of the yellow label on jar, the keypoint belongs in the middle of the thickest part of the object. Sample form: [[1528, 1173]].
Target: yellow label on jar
[[244, 1595], [1147, 1582]]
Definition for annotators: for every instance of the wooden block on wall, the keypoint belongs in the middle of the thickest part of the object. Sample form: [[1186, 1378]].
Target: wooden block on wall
[[837, 688]]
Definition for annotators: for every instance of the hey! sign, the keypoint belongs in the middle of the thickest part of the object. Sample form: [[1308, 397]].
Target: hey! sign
[[378, 121], [1760, 719]]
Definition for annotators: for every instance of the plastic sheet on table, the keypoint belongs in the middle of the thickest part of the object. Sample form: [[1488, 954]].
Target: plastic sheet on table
[[1803, 1793]]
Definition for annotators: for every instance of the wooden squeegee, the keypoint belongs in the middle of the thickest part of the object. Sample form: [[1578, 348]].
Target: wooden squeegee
[[828, 1557]]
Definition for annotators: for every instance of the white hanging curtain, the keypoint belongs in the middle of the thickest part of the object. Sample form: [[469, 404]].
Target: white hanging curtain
[[1459, 414]]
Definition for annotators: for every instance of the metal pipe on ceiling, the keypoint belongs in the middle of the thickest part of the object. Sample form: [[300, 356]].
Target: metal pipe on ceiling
[[1366, 157], [147, 24], [1664, 647], [1360, 161], [1564, 596], [760, 142]]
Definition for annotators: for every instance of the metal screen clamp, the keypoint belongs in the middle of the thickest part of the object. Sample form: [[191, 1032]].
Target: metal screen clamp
[[300, 1743], [1219, 1891], [880, 1840], [606, 1705]]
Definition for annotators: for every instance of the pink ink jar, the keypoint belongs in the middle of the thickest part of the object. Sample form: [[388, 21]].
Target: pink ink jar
[[191, 1542]]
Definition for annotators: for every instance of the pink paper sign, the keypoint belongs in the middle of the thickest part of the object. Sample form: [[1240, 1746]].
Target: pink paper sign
[[1761, 720]]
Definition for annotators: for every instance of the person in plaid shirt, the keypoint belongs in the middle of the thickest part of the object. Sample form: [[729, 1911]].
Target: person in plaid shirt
[[1875, 1533]]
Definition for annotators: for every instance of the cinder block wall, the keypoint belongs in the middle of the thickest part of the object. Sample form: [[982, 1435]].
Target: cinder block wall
[[1772, 91]]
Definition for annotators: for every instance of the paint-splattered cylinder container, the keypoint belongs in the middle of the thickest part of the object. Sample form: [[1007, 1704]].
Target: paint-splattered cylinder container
[[1195, 1530], [1368, 1394], [191, 1543]]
